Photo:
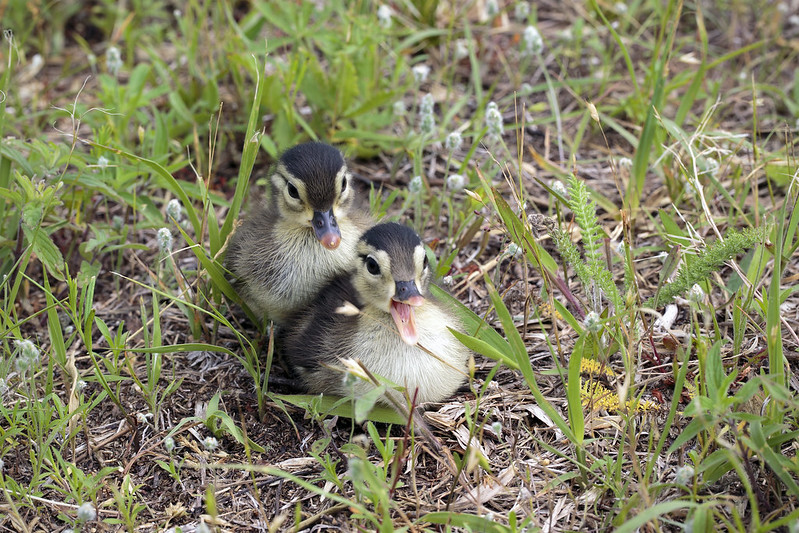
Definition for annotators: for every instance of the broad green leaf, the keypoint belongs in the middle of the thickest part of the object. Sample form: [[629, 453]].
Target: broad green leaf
[[333, 406]]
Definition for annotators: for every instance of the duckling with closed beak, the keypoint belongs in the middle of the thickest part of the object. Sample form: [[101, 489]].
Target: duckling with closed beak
[[306, 235], [383, 315]]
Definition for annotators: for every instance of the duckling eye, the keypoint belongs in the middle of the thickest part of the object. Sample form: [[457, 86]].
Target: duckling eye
[[344, 184], [425, 264], [372, 267], [293, 192]]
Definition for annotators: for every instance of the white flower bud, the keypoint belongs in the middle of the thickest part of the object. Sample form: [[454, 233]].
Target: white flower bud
[[514, 250], [559, 187], [210, 443], [696, 294], [165, 241], [453, 141], [497, 427], [113, 60], [532, 43], [592, 322], [86, 512], [415, 185], [461, 49], [427, 105], [456, 182], [521, 11], [384, 14], [494, 121], [420, 72], [684, 475], [427, 123], [174, 209]]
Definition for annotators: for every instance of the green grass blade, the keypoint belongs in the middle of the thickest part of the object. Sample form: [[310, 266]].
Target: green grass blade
[[249, 153]]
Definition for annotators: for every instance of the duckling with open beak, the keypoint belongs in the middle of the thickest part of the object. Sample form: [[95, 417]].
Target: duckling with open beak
[[383, 315]]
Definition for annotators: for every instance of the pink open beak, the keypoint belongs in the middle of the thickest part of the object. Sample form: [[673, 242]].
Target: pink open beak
[[404, 318]]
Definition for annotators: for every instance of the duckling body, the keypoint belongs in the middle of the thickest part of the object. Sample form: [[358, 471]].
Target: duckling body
[[383, 315], [306, 235]]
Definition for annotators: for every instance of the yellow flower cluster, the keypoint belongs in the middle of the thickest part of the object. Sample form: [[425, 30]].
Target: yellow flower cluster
[[597, 396]]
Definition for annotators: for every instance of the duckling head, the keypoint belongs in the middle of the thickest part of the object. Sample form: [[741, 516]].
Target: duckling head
[[393, 275], [311, 189]]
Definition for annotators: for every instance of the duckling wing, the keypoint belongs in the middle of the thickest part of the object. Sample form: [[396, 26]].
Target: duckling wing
[[250, 256], [315, 338]]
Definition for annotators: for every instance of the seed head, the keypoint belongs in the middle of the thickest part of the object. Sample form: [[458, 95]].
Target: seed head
[[427, 120], [427, 104], [210, 443], [696, 294], [113, 60], [86, 512], [494, 121], [454, 141], [415, 185], [592, 322], [461, 49], [559, 187], [420, 73], [428, 124], [521, 11], [174, 209], [165, 241], [684, 475], [497, 427], [384, 14], [532, 43], [27, 357], [456, 182], [513, 250]]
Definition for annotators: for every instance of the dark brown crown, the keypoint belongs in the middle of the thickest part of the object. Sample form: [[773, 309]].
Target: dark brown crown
[[316, 164]]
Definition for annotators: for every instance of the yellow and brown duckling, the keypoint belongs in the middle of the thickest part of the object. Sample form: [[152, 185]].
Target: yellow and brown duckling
[[306, 234], [383, 315]]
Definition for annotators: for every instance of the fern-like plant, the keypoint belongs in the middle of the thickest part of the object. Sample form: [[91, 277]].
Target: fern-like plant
[[592, 271], [706, 262]]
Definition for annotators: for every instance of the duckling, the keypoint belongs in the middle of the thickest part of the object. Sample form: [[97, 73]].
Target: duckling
[[382, 314], [306, 235]]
